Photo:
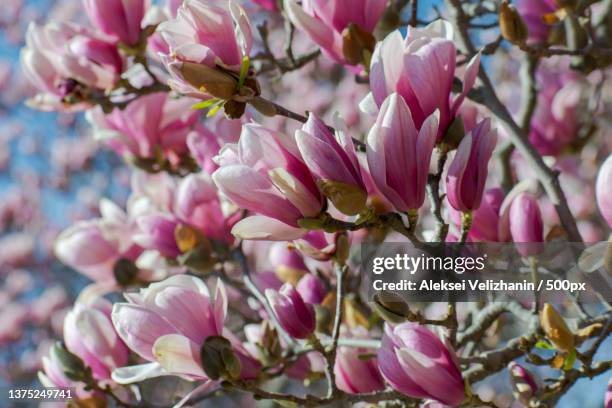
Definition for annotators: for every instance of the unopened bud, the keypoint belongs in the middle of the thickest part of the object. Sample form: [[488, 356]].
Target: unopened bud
[[218, 359], [349, 199], [357, 44], [524, 386], [72, 366], [211, 81], [391, 306], [556, 329], [511, 24]]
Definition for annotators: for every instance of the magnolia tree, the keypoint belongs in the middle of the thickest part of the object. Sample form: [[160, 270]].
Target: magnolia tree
[[268, 140]]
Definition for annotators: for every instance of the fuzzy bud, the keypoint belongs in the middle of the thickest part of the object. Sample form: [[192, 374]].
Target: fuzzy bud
[[556, 329]]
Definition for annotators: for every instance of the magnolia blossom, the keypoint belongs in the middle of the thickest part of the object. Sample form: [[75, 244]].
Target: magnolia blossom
[[206, 34], [94, 247], [89, 334], [120, 19], [333, 162], [265, 174], [420, 67], [62, 60], [294, 315], [603, 190], [149, 126], [354, 373], [525, 223], [468, 171], [329, 24], [311, 289], [399, 153], [415, 362], [167, 324]]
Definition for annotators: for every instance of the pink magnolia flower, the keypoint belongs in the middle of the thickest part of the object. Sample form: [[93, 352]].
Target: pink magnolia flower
[[420, 67], [533, 12], [89, 334], [157, 231], [526, 226], [206, 141], [415, 362], [326, 22], [603, 191], [399, 154], [333, 162], [284, 260], [468, 171], [197, 204], [93, 247], [207, 33], [354, 374], [311, 289], [523, 383], [120, 19], [62, 60], [167, 324], [294, 315], [52, 376], [155, 15], [555, 120], [265, 174], [486, 219], [150, 125]]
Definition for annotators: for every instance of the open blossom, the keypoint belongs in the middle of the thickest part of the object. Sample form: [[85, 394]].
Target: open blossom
[[167, 324], [354, 373], [421, 69], [294, 315], [342, 29], [93, 247], [603, 191], [150, 125], [333, 162], [197, 204], [62, 60], [89, 334], [206, 34], [555, 120], [399, 154], [468, 171], [526, 225], [415, 362], [265, 174], [120, 19]]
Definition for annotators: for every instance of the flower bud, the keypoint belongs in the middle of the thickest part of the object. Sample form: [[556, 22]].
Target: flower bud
[[556, 329], [311, 289], [511, 24], [218, 359], [347, 198], [608, 396], [526, 225], [603, 192], [391, 307], [208, 80], [294, 315], [523, 384]]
